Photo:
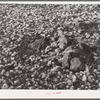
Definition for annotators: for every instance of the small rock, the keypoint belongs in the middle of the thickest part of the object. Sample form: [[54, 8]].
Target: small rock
[[69, 82], [73, 78], [43, 75], [47, 49], [55, 68], [81, 74], [75, 64], [60, 60], [84, 78], [54, 44], [62, 41], [65, 60], [99, 84], [59, 73], [7, 73], [49, 63], [5, 86], [55, 79], [11, 87], [95, 70], [67, 86], [57, 51], [72, 88], [71, 73], [82, 86], [98, 67], [97, 81], [68, 50], [2, 72], [45, 60], [91, 79]]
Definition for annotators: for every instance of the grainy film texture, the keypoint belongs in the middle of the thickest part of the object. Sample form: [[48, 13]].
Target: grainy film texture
[[50, 46]]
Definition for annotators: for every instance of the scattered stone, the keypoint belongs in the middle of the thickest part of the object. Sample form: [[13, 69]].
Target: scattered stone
[[65, 60], [5, 86], [62, 42], [55, 69], [75, 64], [84, 78], [69, 82], [49, 63], [43, 75], [74, 78]]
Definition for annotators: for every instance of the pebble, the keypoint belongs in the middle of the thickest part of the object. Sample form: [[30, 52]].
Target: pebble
[[60, 60], [81, 74], [75, 64], [47, 49], [43, 75], [70, 72], [64, 75], [11, 71], [84, 78], [54, 44], [73, 78], [12, 58], [55, 79], [68, 76], [67, 71], [65, 60], [11, 87], [5, 86], [31, 87], [95, 70], [55, 68], [72, 88], [2, 72], [67, 86], [59, 73], [97, 81], [45, 60], [7, 74], [90, 79], [86, 87], [82, 86], [49, 63], [98, 67], [69, 82], [99, 84], [57, 50], [19, 87]]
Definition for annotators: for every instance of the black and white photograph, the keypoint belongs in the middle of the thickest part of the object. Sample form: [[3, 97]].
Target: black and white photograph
[[50, 46]]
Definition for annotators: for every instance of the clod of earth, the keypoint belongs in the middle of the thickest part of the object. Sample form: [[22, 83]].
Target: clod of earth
[[75, 64]]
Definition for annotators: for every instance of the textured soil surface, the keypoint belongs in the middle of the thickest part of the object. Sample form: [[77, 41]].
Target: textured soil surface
[[50, 46]]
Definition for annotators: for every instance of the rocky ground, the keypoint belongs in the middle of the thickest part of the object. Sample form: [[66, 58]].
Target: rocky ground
[[50, 46]]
